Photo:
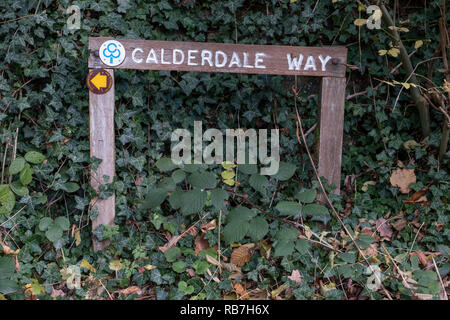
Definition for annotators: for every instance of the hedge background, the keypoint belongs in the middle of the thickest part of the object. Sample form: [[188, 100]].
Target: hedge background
[[44, 104]]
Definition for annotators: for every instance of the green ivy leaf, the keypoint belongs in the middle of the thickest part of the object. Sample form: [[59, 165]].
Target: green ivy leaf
[[200, 266], [185, 288], [70, 187], [44, 223], [63, 223], [34, 157], [54, 232], [172, 254], [179, 266]]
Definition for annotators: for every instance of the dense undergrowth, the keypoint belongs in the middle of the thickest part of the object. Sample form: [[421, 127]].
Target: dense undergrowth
[[189, 233]]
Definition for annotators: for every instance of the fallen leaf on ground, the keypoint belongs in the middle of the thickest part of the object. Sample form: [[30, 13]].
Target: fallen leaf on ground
[[172, 242], [211, 225], [421, 256], [399, 225], [417, 197], [296, 277], [240, 256], [240, 291], [200, 244], [384, 228], [131, 290], [402, 178]]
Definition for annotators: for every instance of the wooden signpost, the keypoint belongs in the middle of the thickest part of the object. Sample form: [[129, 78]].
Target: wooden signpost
[[108, 54]]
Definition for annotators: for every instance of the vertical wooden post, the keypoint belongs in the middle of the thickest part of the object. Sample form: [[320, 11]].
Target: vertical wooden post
[[331, 121], [101, 131]]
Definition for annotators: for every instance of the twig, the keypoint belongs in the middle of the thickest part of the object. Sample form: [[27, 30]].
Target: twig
[[325, 194], [440, 279]]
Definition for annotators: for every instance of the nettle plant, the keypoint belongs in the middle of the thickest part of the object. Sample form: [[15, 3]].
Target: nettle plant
[[192, 189], [21, 175]]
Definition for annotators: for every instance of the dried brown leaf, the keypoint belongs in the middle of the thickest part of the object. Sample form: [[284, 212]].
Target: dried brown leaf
[[402, 178], [240, 256]]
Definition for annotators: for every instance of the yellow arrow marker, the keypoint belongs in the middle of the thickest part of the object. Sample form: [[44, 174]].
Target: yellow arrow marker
[[99, 81]]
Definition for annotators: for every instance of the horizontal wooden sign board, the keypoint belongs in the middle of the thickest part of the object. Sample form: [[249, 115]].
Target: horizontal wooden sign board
[[108, 52]]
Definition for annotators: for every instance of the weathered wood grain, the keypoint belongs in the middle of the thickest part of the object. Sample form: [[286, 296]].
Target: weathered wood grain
[[101, 130], [256, 59], [331, 123]]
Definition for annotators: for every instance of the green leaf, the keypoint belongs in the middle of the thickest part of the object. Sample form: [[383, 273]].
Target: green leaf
[[258, 182], [19, 189], [247, 168], [283, 248], [34, 157], [172, 254], [235, 231], [154, 198], [258, 228], [17, 165], [307, 196], [44, 223], [445, 250], [183, 287], [349, 257], [176, 199], [193, 201], [7, 199], [63, 223], [178, 175], [54, 232], [70, 187], [302, 246], [200, 266], [285, 171], [7, 268], [203, 180], [317, 212], [165, 164], [288, 208], [8, 286], [218, 197], [287, 233], [179, 266], [26, 175], [240, 213]]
